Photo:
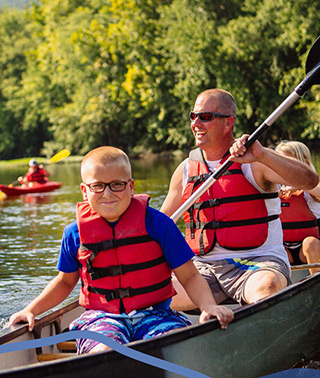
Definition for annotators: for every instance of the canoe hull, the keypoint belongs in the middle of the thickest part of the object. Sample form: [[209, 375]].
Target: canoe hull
[[36, 188], [264, 338]]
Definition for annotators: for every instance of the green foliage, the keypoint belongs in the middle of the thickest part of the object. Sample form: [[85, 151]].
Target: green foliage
[[77, 74]]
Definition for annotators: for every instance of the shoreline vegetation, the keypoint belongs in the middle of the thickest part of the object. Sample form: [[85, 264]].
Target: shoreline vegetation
[[79, 74]]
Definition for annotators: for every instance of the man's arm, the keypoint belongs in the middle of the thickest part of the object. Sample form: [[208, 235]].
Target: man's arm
[[56, 291], [199, 292], [174, 197], [270, 168]]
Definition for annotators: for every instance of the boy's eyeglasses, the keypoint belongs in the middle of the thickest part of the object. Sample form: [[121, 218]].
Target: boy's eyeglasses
[[115, 186], [206, 116]]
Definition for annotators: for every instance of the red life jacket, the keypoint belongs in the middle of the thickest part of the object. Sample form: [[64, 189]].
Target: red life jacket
[[37, 176], [122, 269], [232, 211], [298, 221]]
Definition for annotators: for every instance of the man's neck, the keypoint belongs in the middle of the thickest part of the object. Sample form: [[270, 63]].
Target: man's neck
[[217, 152]]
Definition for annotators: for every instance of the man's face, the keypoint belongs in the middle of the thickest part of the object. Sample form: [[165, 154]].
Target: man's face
[[110, 205], [207, 133]]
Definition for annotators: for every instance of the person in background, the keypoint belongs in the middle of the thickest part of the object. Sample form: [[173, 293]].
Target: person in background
[[124, 253], [234, 227], [300, 212], [36, 173]]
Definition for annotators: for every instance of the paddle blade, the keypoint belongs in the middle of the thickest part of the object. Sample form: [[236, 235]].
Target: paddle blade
[[313, 59], [59, 156]]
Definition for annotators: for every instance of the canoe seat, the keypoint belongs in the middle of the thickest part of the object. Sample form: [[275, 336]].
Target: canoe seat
[[53, 356], [66, 348]]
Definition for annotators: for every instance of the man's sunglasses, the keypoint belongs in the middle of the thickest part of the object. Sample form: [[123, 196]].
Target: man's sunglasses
[[206, 116], [115, 186]]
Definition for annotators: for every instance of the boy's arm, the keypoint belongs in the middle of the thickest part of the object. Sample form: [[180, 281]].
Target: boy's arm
[[56, 291], [199, 292]]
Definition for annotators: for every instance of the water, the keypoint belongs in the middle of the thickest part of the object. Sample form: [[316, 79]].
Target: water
[[31, 227]]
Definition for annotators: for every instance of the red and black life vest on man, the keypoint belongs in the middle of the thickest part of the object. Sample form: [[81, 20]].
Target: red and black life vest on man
[[231, 212], [298, 221], [122, 268]]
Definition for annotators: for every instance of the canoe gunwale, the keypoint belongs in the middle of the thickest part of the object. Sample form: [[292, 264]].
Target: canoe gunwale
[[17, 330]]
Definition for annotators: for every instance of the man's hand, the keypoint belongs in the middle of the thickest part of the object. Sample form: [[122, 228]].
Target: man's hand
[[240, 154]]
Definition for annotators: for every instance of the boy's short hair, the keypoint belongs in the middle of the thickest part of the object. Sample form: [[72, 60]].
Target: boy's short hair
[[106, 155]]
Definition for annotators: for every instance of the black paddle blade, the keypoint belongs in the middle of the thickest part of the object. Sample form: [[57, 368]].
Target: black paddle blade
[[313, 59]]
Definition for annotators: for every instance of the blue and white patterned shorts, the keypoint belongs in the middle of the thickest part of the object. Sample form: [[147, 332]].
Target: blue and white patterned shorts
[[138, 325]]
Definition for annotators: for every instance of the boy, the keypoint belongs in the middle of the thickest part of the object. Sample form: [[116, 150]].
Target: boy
[[124, 252]]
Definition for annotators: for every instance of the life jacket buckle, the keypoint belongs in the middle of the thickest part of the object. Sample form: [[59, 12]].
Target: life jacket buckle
[[215, 224], [122, 293]]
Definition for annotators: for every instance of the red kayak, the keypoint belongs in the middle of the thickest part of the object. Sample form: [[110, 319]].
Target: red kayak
[[35, 188]]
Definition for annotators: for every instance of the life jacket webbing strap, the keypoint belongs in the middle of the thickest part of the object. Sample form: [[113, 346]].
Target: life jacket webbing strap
[[116, 270], [244, 198], [201, 178], [220, 224], [301, 224], [114, 243], [111, 244], [128, 292], [244, 222]]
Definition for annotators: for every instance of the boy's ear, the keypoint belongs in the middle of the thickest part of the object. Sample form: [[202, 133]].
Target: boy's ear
[[84, 189]]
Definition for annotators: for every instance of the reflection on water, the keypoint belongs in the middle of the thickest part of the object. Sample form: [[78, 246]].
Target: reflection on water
[[31, 227]]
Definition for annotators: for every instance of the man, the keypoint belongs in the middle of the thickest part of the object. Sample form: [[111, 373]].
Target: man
[[234, 227]]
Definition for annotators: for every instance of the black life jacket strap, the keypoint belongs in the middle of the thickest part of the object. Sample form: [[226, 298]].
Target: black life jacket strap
[[301, 224], [111, 244], [114, 243], [221, 201], [116, 270], [227, 224], [128, 292]]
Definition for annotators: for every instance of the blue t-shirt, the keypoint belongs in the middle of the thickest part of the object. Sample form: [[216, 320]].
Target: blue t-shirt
[[160, 227]]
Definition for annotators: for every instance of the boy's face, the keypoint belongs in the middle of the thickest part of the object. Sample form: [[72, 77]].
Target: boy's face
[[110, 205]]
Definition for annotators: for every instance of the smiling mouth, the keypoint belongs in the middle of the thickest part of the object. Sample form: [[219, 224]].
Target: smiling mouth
[[200, 133]]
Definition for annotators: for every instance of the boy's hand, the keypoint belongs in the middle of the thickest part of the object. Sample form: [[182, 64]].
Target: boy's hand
[[223, 314], [22, 316]]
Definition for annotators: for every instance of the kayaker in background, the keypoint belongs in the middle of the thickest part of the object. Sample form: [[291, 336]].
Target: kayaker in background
[[36, 173], [300, 212], [124, 253], [234, 227]]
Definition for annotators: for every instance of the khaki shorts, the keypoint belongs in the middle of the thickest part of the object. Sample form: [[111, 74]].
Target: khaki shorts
[[227, 278]]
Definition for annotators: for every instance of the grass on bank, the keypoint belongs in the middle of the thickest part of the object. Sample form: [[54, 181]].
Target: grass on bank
[[40, 160]]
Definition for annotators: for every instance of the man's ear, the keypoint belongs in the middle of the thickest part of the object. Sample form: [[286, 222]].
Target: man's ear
[[84, 189], [131, 183], [230, 123]]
